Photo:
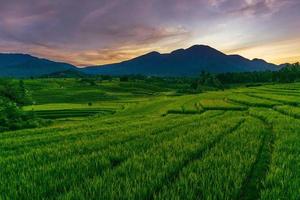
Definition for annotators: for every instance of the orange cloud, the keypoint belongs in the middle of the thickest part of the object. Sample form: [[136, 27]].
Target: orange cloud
[[284, 51]]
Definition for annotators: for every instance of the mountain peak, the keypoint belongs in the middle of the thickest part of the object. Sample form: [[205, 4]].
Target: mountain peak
[[153, 53], [178, 51], [203, 49], [257, 59], [199, 46]]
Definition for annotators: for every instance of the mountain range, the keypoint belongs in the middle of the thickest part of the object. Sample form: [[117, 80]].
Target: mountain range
[[181, 62]]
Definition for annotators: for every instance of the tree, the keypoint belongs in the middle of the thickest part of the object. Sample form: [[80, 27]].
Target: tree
[[207, 79], [287, 74], [124, 78], [13, 96]]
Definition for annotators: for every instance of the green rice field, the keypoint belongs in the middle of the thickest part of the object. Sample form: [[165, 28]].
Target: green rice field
[[141, 140]]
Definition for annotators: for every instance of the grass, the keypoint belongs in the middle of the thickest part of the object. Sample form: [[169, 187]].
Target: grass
[[282, 180], [220, 172], [133, 140], [292, 111], [220, 104], [285, 99], [254, 101]]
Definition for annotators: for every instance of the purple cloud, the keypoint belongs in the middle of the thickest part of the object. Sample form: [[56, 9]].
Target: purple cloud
[[75, 28]]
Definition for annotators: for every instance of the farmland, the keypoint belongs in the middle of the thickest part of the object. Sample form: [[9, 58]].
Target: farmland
[[147, 140]]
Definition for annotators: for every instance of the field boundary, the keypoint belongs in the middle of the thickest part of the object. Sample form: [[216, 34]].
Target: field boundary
[[117, 162], [249, 104], [171, 178], [271, 99], [286, 113], [253, 183], [205, 109]]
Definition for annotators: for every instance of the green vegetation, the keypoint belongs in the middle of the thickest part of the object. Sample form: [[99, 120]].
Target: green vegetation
[[150, 138], [288, 74], [14, 95]]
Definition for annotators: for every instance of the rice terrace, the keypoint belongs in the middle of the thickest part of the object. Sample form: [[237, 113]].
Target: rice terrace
[[136, 140], [150, 100]]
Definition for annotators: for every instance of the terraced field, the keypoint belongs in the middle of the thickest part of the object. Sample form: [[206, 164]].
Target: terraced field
[[239, 143]]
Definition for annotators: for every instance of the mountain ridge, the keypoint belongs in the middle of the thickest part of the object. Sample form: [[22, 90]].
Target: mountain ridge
[[180, 62], [25, 65], [183, 62]]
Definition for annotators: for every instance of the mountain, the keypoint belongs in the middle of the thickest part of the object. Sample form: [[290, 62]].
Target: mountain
[[23, 65], [183, 62]]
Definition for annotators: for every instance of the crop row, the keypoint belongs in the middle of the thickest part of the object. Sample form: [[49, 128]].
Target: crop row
[[292, 111], [294, 86], [222, 171], [141, 176], [285, 99], [283, 178], [23, 176], [276, 91], [196, 106], [59, 164], [50, 137], [251, 101], [219, 104], [54, 114]]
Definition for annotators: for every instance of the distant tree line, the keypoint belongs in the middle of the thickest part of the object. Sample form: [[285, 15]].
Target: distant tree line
[[207, 81], [288, 74]]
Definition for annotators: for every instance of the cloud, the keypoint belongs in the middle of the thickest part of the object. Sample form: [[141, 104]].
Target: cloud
[[250, 7], [94, 24], [277, 51], [98, 31]]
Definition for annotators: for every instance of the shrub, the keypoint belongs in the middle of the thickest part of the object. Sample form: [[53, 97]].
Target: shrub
[[13, 95]]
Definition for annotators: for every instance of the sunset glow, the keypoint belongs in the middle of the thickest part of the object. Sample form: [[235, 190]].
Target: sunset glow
[[107, 31]]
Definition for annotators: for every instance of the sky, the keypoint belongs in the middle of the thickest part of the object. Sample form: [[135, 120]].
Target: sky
[[94, 32]]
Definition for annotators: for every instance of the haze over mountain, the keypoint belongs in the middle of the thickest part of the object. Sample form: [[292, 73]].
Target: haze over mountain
[[24, 65], [183, 62]]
